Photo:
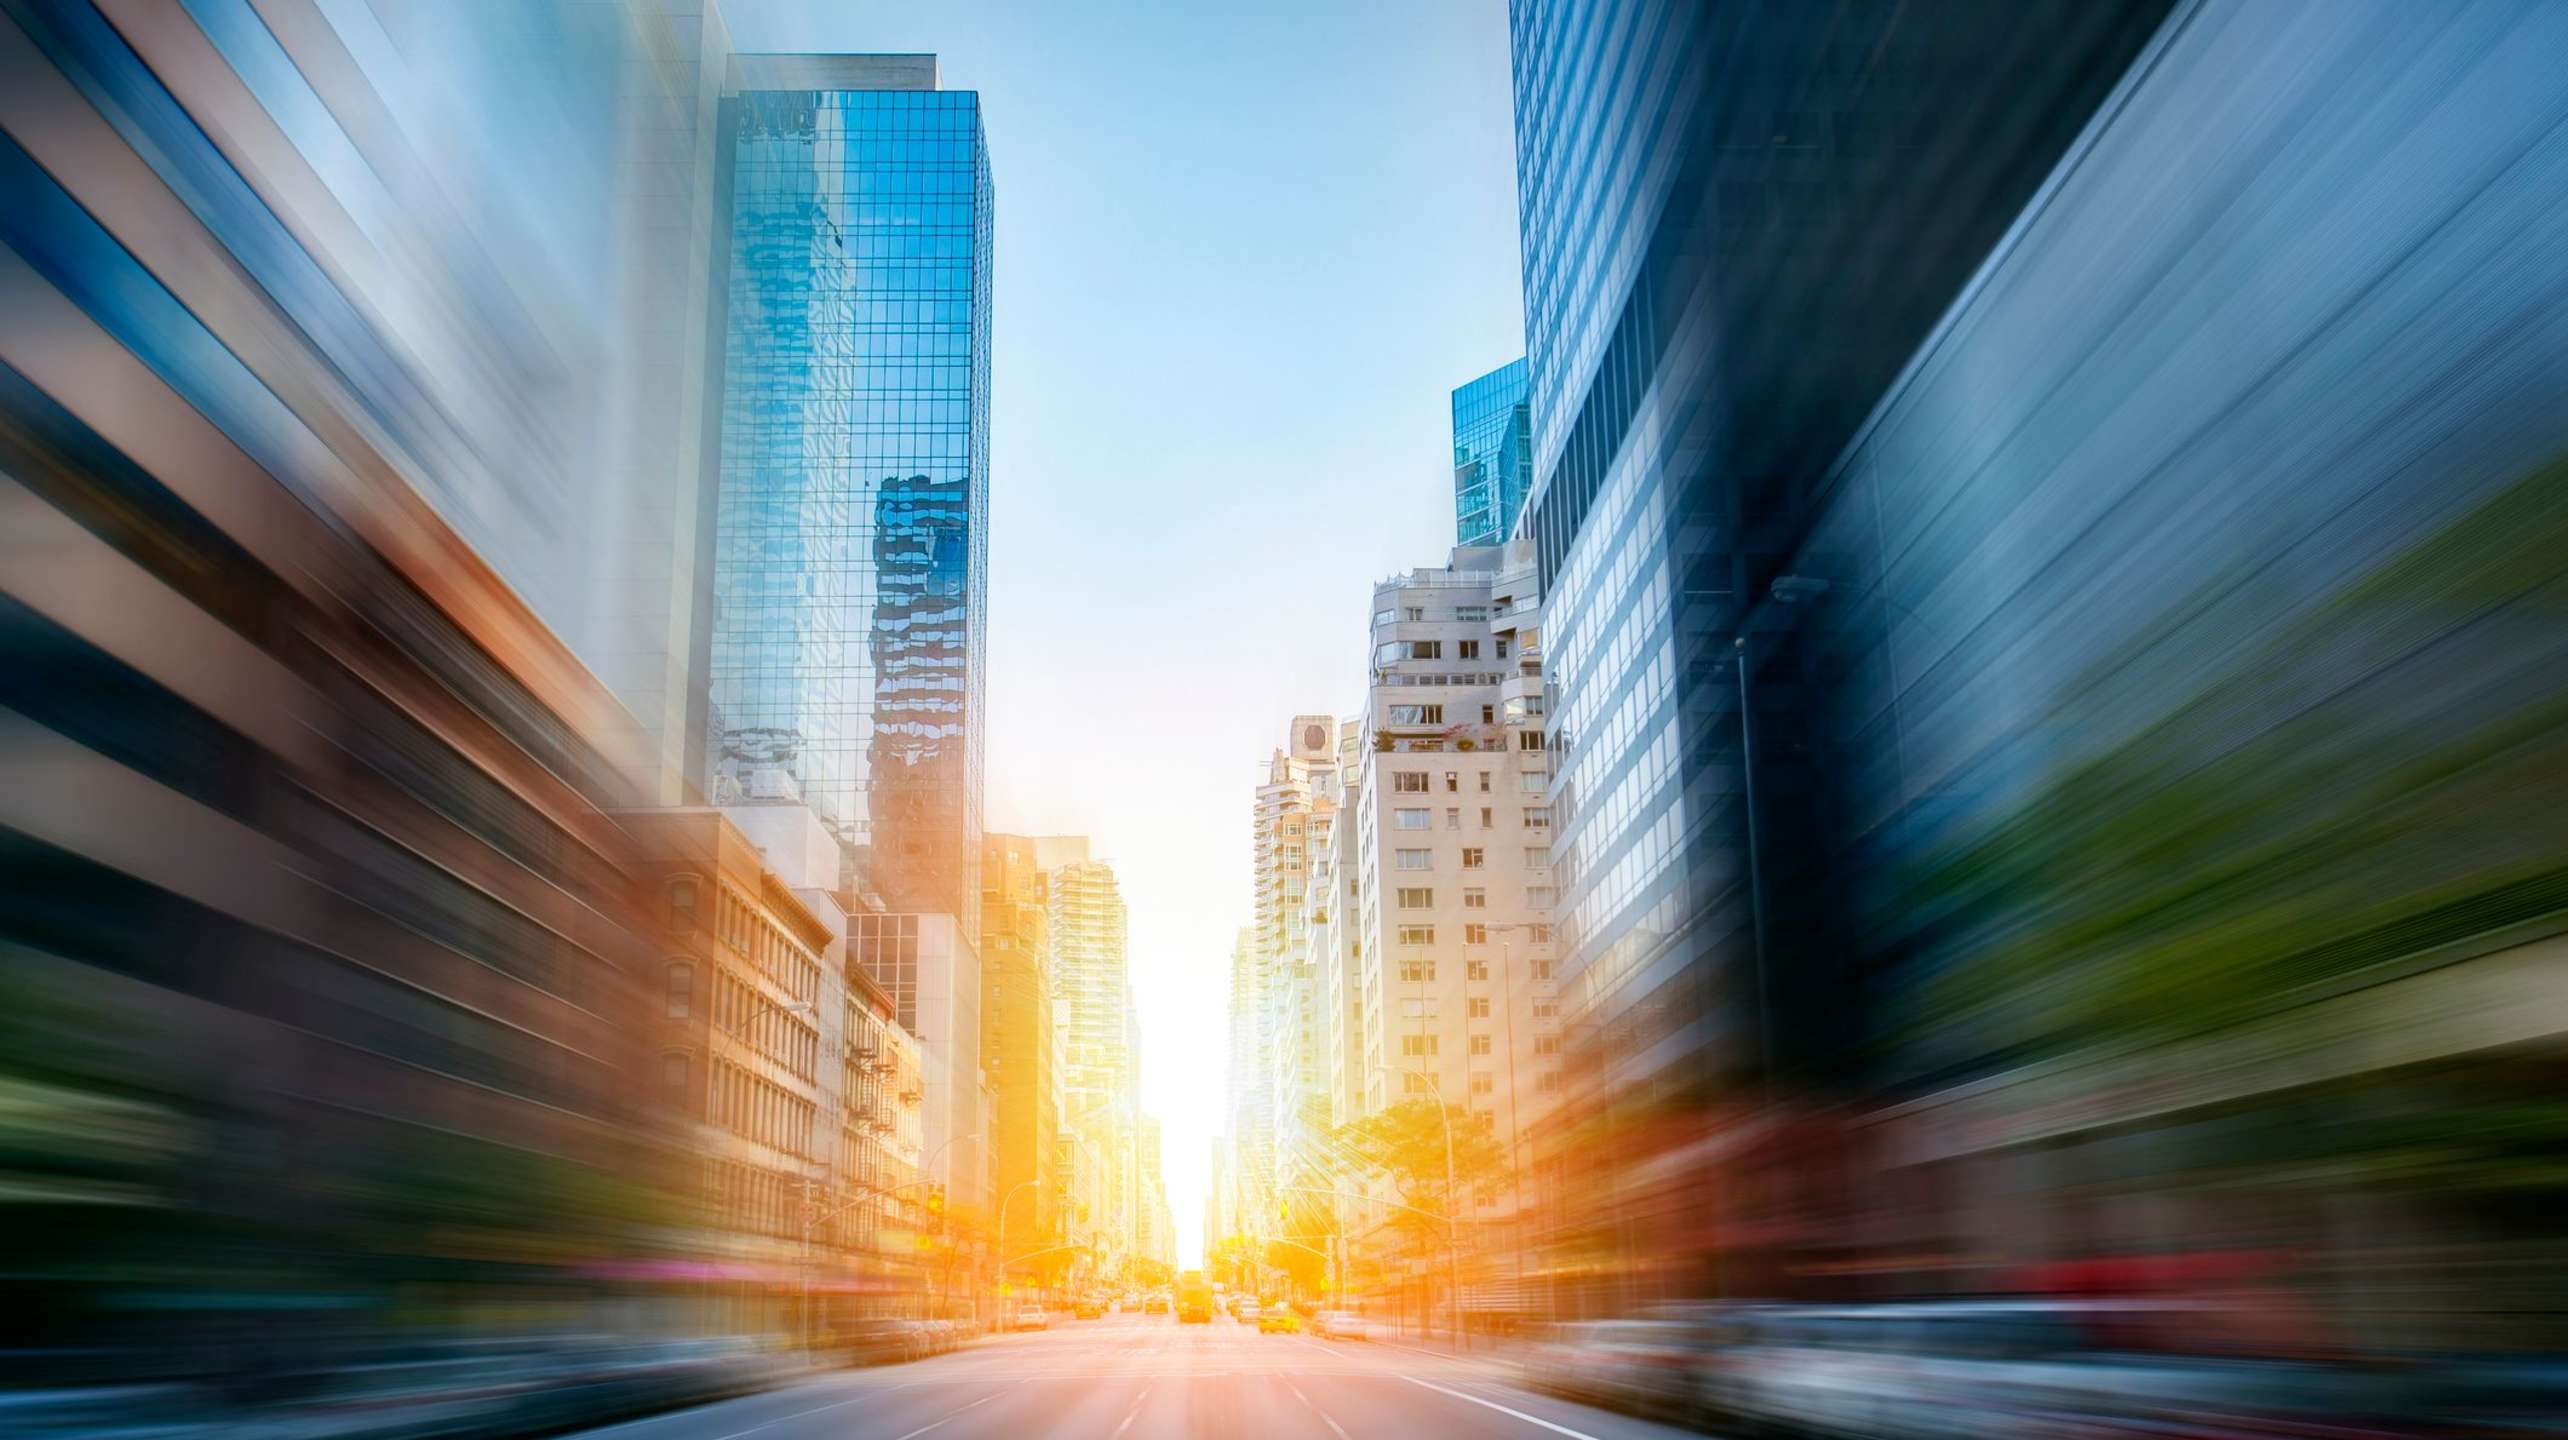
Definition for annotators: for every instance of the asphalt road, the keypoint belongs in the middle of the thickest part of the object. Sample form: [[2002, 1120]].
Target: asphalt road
[[1144, 1377]]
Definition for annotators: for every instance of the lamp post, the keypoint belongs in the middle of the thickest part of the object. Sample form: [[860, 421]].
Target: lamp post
[[1453, 1231]]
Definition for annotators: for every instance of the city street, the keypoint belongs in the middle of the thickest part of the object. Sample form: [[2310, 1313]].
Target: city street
[[1136, 1377]]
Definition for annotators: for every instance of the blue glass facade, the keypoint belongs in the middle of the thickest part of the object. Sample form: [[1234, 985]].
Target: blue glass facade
[[1493, 456], [850, 575]]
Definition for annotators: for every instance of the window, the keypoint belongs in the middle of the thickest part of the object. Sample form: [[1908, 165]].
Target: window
[[1417, 934], [1413, 612], [1414, 859], [1413, 1083], [1538, 817], [1475, 934], [1484, 782], [681, 990], [1538, 857], [1393, 651], [1480, 1043], [1417, 897], [1453, 782], [1542, 969], [1453, 818], [1541, 897], [1531, 782], [1547, 1082], [1418, 1007], [1471, 614], [1475, 970], [1546, 1009], [1466, 649], [1546, 1044], [1474, 898], [1417, 1044], [1489, 714], [1529, 739], [682, 902], [1471, 858], [1418, 971], [1417, 714], [1502, 647], [1426, 650], [1482, 1082], [1409, 782], [1484, 817], [1539, 933], [1412, 819], [1384, 617], [675, 1071], [1479, 1007]]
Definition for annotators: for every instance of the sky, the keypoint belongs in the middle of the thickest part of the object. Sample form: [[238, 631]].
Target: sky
[[1244, 254]]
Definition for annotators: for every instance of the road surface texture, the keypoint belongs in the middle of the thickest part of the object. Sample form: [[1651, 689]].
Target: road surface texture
[[1145, 1377]]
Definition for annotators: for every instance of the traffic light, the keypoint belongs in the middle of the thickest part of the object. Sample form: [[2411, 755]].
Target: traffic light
[[936, 1201]]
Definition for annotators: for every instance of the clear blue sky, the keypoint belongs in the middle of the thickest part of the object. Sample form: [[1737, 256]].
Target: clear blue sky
[[1244, 254]]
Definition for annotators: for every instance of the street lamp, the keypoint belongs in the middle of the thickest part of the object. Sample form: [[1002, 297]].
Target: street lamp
[[1453, 1231], [1004, 1202]]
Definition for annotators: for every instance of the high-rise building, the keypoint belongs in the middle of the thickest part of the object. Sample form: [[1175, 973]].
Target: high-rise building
[[1493, 455], [1017, 1049], [1249, 1136], [1730, 250], [1092, 990], [1450, 957], [1291, 818], [850, 586]]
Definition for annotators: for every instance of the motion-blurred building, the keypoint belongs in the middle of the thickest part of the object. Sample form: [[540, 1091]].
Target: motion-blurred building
[[329, 998], [2037, 684], [1093, 993]]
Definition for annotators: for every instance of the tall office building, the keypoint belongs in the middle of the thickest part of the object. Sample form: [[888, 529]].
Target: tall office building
[[1291, 818], [850, 586], [1493, 455], [1092, 989]]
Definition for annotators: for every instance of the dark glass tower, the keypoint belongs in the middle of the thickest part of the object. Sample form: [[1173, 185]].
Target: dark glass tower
[[1493, 455], [850, 575]]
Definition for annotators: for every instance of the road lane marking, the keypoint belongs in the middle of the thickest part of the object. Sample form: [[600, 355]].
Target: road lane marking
[[1334, 1427], [932, 1424], [797, 1415], [1494, 1405], [1130, 1414]]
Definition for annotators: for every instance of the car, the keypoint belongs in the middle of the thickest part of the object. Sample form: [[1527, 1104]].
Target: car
[[1156, 1305], [876, 1341], [1089, 1308], [1245, 1312], [1030, 1317], [1341, 1325], [1278, 1320]]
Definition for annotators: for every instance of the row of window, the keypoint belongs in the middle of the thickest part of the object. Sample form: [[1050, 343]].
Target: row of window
[[747, 930], [759, 1109], [1536, 817], [1393, 651], [1537, 857], [1419, 782], [1473, 932], [1417, 970]]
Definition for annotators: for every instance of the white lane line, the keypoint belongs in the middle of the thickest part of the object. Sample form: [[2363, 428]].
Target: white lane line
[[799, 1414], [1494, 1405], [932, 1424], [1334, 1427], [1129, 1415]]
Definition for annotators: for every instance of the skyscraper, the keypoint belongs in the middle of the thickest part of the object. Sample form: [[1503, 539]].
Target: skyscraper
[[1493, 455], [1731, 247], [850, 581], [1093, 999]]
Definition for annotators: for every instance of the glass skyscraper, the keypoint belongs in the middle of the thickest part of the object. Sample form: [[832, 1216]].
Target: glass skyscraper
[[851, 541], [1493, 455]]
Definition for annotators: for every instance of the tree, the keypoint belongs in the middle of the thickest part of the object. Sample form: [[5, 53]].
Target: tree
[[1407, 1143]]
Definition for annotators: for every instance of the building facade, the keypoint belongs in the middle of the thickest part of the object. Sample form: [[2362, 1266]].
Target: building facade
[[1017, 1046], [1730, 251], [1493, 455], [1451, 959], [1093, 999], [850, 588]]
